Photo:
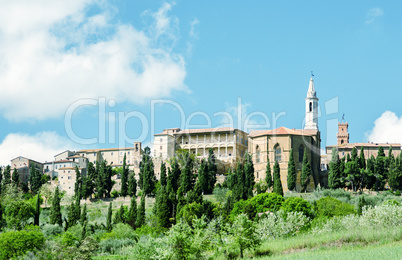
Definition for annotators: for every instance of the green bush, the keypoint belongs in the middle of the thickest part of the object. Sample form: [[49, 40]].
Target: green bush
[[192, 210], [329, 207], [51, 230], [120, 231], [267, 202], [18, 213], [69, 239], [391, 203], [296, 204], [112, 245], [17, 243], [243, 207]]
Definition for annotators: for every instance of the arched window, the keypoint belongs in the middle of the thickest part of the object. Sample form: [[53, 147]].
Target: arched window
[[311, 106], [257, 152], [278, 153], [341, 141], [301, 153]]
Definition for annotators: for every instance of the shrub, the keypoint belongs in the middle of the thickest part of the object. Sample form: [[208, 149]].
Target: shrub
[[267, 202], [112, 245], [281, 224], [18, 213], [121, 231], [69, 239], [243, 207], [329, 207], [296, 204], [391, 203], [195, 210], [51, 230], [17, 243]]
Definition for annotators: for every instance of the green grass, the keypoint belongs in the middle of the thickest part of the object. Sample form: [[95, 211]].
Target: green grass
[[392, 250]]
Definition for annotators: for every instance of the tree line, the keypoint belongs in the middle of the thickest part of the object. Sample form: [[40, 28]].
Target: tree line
[[356, 173]]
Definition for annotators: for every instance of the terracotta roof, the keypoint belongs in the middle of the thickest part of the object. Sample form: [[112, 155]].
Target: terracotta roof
[[202, 131], [105, 149], [283, 131], [351, 145], [27, 159]]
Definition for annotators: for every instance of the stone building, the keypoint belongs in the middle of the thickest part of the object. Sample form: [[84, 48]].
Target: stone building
[[23, 166], [229, 144], [276, 145]]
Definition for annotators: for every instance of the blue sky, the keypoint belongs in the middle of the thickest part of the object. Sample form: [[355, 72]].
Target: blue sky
[[204, 56]]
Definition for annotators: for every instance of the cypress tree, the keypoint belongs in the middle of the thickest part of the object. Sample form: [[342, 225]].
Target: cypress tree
[[277, 180], [16, 177], [1, 180], [84, 217], [124, 177], [120, 216], [211, 170], [334, 178], [187, 176], [71, 216], [132, 185], [84, 230], [174, 174], [360, 205], [141, 213], [100, 183], [55, 212], [268, 175], [109, 218], [195, 195], [163, 211], [7, 175], [291, 172], [37, 210], [132, 212], [354, 154], [108, 180], [249, 175], [78, 183], [163, 179], [36, 180], [380, 169], [239, 189], [306, 172], [362, 160], [203, 176]]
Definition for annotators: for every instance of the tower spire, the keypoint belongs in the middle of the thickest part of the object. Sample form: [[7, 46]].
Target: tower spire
[[311, 107]]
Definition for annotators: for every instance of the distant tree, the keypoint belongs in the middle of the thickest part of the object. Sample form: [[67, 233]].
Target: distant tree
[[132, 185], [37, 210], [1, 180], [354, 154], [163, 210], [370, 173], [84, 217], [35, 179], [16, 177], [395, 174], [291, 172], [147, 175], [277, 180], [380, 171], [7, 175], [120, 216], [187, 176], [55, 211], [100, 185], [360, 205], [306, 172], [334, 175], [239, 188], [163, 179], [353, 174], [249, 175], [141, 213], [362, 160], [202, 179], [78, 183], [174, 174], [109, 218], [212, 171], [72, 217], [124, 177], [132, 212], [268, 175]]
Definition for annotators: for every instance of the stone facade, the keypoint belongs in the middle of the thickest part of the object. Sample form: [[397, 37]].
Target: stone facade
[[23, 165]]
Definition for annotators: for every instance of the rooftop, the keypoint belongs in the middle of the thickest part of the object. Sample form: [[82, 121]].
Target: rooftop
[[283, 131]]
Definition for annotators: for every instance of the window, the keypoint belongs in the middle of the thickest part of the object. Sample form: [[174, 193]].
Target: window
[[69, 177], [257, 175], [128, 161], [230, 154], [301, 153], [161, 140], [128, 152], [311, 107], [121, 162], [160, 148], [112, 153], [341, 141], [257, 152], [278, 152], [69, 188]]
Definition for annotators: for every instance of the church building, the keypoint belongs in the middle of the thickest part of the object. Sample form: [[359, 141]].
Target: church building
[[277, 144]]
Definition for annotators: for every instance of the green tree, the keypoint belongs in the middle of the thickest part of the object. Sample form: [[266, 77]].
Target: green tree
[[380, 171], [1, 180], [187, 176], [211, 169], [249, 175], [16, 177], [37, 210], [72, 217], [124, 177], [147, 175], [141, 213], [243, 234], [291, 172], [174, 174], [55, 211], [109, 218], [35, 179], [120, 216], [203, 176], [268, 175], [15, 244], [78, 183], [306, 172], [7, 175], [132, 185], [163, 179], [84, 217], [239, 188], [362, 159], [277, 180], [132, 212], [18, 213], [395, 174], [334, 175], [163, 209]]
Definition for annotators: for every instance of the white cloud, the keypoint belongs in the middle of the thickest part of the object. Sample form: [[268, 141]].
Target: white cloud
[[373, 13], [39, 147], [53, 53], [387, 128]]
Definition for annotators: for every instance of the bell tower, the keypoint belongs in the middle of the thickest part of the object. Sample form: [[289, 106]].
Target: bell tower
[[311, 107], [342, 135]]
